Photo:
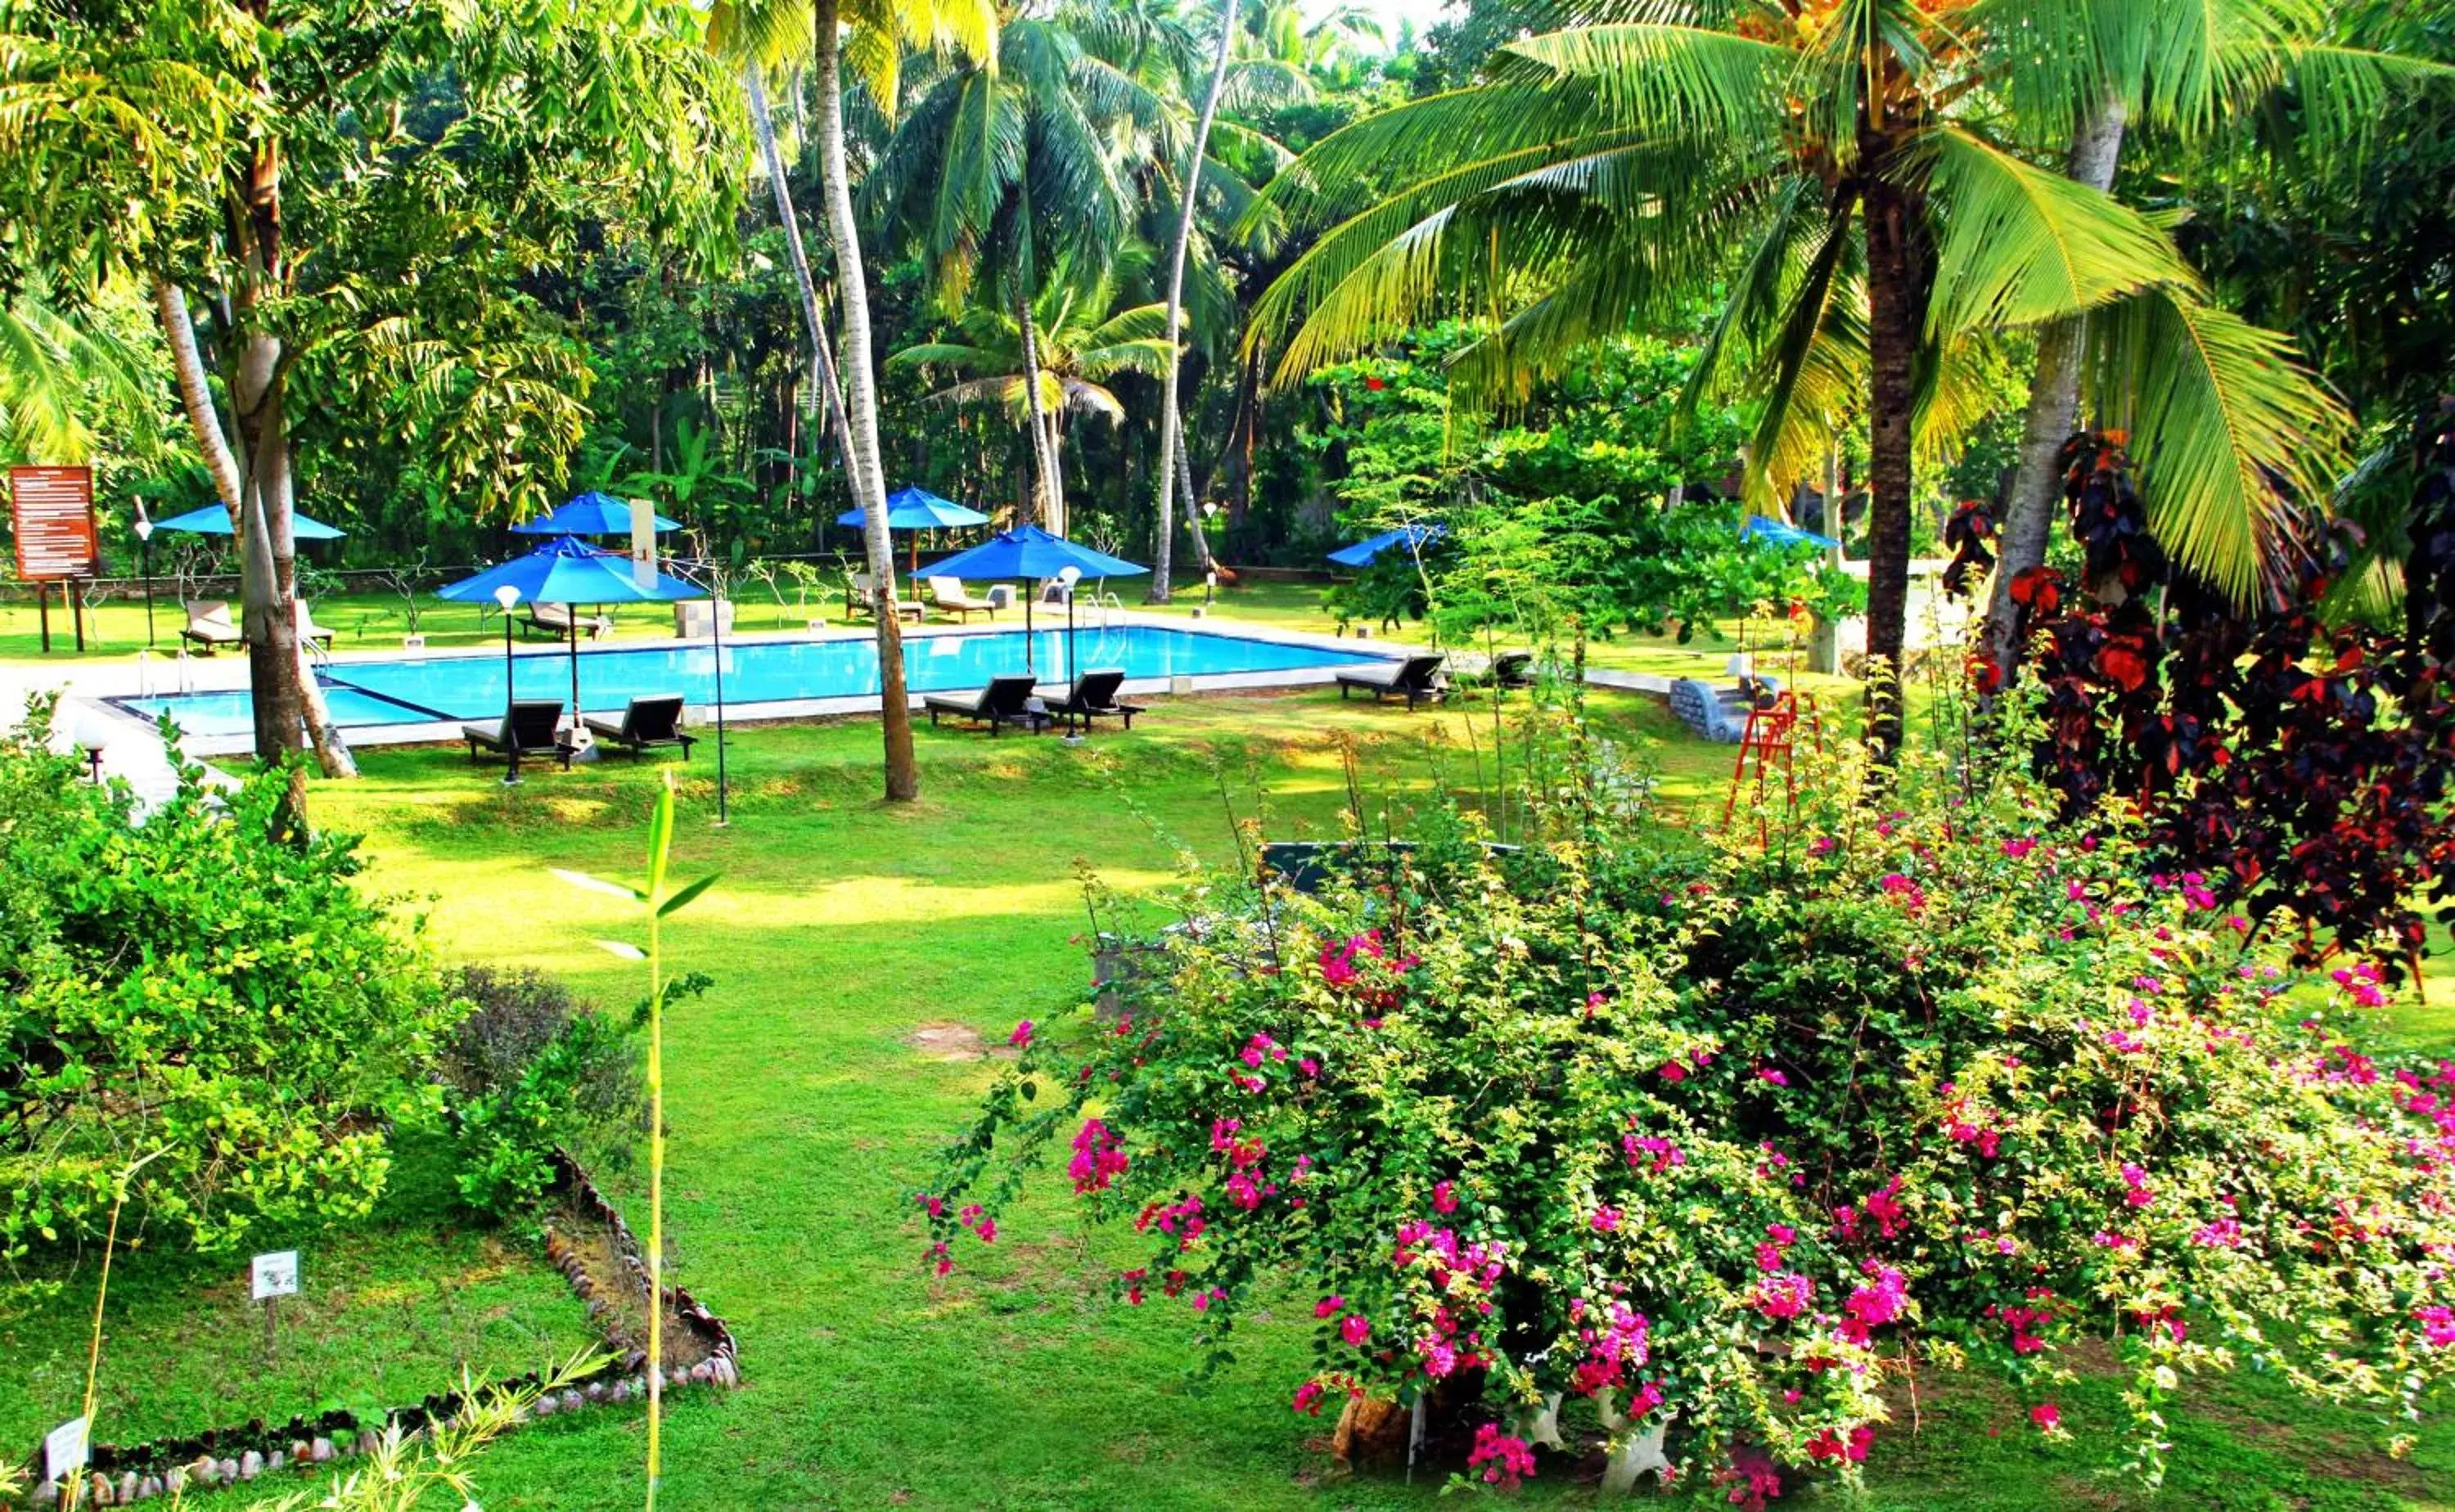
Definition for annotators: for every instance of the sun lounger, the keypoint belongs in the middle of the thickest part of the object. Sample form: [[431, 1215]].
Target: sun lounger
[[209, 626], [1509, 668], [559, 621], [533, 728], [1092, 695], [1004, 701], [1417, 680], [309, 633], [654, 720], [947, 597], [861, 597]]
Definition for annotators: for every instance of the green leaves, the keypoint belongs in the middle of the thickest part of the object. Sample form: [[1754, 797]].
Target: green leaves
[[2020, 244]]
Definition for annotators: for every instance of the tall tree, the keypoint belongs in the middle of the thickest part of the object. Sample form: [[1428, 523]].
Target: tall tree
[[2192, 71], [1873, 164], [432, 154], [1163, 539]]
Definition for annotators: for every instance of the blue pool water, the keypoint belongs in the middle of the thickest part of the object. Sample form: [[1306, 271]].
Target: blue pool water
[[363, 693]]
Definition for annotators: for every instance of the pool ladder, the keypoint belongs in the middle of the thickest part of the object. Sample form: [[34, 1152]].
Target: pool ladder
[[183, 673]]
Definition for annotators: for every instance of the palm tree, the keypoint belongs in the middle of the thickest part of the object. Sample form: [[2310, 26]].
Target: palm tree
[[57, 372], [872, 35], [1858, 177], [1003, 166], [2186, 69], [1078, 339], [1190, 180]]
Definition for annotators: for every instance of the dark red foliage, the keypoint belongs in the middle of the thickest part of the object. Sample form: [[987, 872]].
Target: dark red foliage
[[2293, 763], [1970, 533]]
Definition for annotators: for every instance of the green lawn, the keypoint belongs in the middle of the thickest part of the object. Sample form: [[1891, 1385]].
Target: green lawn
[[801, 1113], [386, 1312]]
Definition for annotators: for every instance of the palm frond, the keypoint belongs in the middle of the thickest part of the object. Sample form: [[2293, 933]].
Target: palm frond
[[1664, 80], [2020, 244], [2227, 428]]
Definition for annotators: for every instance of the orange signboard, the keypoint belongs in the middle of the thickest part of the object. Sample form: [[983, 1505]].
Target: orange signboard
[[53, 510]]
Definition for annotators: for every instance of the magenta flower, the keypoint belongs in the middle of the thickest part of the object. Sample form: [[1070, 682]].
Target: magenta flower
[[1606, 1220], [1505, 1460], [2046, 1416], [1443, 1197], [2018, 850], [1099, 1157], [1355, 1328], [1309, 1398], [2438, 1327], [1673, 1071], [1784, 1294], [1328, 1306], [1769, 1074]]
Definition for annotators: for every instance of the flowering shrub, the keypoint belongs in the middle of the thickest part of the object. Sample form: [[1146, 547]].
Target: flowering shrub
[[1722, 1139]]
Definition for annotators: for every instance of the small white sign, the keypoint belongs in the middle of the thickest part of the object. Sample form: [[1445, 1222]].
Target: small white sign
[[63, 1450], [276, 1274]]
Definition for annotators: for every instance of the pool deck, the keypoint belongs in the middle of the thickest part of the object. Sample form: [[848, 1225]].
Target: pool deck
[[133, 750]]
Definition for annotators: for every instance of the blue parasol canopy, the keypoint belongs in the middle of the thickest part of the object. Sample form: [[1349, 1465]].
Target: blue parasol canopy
[[1027, 550], [1414, 537], [214, 519], [564, 571], [1765, 528], [917, 509], [590, 514]]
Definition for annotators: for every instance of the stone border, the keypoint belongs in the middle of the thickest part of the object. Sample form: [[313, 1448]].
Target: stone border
[[121, 1474]]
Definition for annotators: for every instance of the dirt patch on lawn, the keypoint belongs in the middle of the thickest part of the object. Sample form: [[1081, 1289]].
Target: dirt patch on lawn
[[943, 1039]]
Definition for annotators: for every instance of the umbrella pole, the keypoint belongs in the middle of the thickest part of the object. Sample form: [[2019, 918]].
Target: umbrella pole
[[575, 683], [1028, 596]]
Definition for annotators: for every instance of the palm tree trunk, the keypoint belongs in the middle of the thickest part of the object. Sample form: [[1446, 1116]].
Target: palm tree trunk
[[1167, 422], [1043, 437], [2054, 404], [821, 355], [861, 396], [1894, 318], [1192, 509]]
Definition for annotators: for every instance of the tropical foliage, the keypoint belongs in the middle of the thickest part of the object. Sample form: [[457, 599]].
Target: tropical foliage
[[190, 994], [1725, 1140]]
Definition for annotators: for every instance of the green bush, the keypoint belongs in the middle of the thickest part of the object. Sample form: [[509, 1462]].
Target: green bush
[[532, 1069], [186, 991], [1728, 1136]]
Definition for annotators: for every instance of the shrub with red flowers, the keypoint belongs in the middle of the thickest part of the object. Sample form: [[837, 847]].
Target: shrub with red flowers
[[2298, 762], [1696, 1147]]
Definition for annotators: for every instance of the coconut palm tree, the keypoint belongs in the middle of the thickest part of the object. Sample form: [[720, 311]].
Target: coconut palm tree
[[1078, 338], [1860, 180], [1005, 167], [872, 37]]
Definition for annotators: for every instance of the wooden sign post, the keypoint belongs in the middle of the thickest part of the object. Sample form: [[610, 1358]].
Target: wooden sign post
[[275, 1275], [53, 510]]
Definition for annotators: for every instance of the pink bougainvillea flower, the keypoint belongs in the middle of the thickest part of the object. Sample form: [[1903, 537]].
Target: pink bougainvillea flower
[[2020, 849], [2135, 1184], [1786, 1294], [1651, 1153], [2438, 1327], [1673, 1071], [1769, 1074], [1606, 1220], [1355, 1328], [1503, 1460], [1309, 1398], [1443, 1197], [1311, 1067], [1022, 1035], [1099, 1157], [1328, 1306], [2046, 1416], [1830, 1444]]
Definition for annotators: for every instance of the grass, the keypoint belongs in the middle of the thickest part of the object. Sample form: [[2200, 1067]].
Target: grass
[[387, 1312], [802, 1111]]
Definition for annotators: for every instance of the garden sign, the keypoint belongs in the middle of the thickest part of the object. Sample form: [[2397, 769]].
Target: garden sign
[[51, 509]]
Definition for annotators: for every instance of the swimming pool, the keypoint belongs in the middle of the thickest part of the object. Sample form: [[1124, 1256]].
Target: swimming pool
[[370, 694]]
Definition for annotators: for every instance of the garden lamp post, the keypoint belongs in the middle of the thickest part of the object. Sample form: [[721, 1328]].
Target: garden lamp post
[[508, 596], [716, 639], [145, 569]]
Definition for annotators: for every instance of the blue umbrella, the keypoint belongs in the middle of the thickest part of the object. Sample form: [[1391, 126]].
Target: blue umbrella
[[564, 571], [917, 509], [1027, 551], [1414, 537], [1765, 528], [214, 519], [590, 514]]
